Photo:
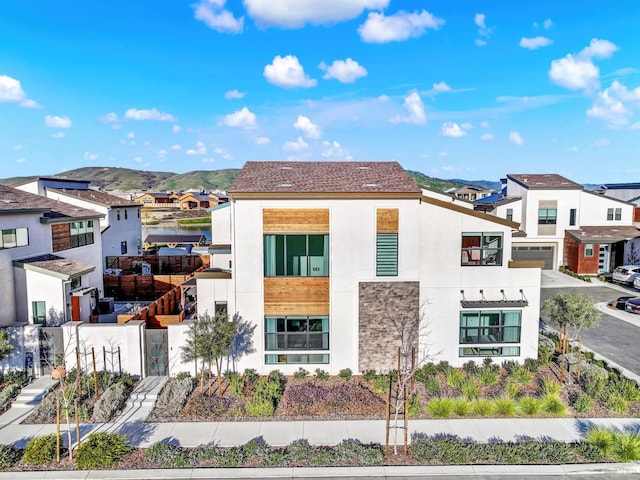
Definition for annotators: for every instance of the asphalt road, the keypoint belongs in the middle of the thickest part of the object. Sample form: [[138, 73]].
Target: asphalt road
[[611, 338]]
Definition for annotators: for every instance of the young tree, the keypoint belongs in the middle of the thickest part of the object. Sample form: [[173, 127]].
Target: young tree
[[209, 340], [242, 343], [5, 344]]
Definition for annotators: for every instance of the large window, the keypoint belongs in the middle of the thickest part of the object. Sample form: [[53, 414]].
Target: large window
[[14, 237], [387, 254], [547, 216], [572, 216], [480, 327], [39, 311], [614, 213], [81, 233], [296, 255], [297, 333], [481, 249]]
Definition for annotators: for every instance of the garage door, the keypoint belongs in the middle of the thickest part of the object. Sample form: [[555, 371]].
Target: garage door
[[540, 254]]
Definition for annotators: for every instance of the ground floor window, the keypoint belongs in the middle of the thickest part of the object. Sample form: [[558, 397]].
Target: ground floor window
[[296, 333], [39, 311], [481, 332]]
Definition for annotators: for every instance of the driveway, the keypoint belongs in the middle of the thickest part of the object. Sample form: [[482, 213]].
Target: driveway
[[617, 335]]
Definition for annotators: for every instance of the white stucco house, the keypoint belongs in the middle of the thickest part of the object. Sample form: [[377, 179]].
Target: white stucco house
[[562, 223], [323, 257], [121, 226]]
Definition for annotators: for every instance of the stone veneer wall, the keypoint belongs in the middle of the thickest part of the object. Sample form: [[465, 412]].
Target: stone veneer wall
[[379, 304]]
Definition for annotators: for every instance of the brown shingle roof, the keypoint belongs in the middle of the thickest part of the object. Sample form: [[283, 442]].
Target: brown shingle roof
[[59, 266], [324, 177], [604, 234], [544, 181], [13, 200], [96, 196]]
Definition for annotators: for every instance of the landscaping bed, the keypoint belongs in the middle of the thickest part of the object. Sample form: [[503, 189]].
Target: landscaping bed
[[10, 386]]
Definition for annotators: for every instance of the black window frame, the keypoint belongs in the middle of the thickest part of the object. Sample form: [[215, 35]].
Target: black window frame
[[287, 336], [546, 217]]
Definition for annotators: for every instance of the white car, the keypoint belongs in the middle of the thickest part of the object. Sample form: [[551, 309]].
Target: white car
[[626, 274], [636, 282]]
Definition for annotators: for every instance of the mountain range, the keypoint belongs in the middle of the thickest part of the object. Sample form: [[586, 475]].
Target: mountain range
[[124, 179]]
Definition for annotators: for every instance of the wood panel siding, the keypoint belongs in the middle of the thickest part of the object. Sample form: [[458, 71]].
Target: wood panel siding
[[60, 236], [298, 220], [387, 220], [296, 296]]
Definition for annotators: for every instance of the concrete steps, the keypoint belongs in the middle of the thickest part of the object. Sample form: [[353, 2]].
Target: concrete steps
[[146, 393], [32, 394]]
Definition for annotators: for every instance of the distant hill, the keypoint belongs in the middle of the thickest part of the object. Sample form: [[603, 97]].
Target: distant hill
[[488, 184], [114, 178]]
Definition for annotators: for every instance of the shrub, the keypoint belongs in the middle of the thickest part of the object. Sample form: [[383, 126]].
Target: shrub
[[250, 375], [488, 376], [260, 407], [9, 456], [125, 379], [381, 384], [369, 375], [590, 372], [504, 406], [236, 385], [551, 387], [471, 368], [601, 439], [432, 387], [470, 388], [101, 450], [529, 405], [15, 378], [626, 447], [440, 407], [345, 374], [627, 389], [163, 453], [321, 374], [231, 457], [455, 378], [443, 366], [511, 390], [552, 405], [531, 364], [414, 408], [175, 394], [461, 407], [509, 366], [425, 371], [276, 377], [596, 388], [256, 449], [583, 403], [7, 394], [300, 373], [299, 450], [545, 353], [111, 402], [481, 407], [40, 450], [616, 402], [354, 452], [183, 375], [521, 375]]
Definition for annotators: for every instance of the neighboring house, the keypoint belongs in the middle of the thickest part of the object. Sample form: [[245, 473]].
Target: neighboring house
[[197, 201], [471, 192], [328, 256], [121, 229], [562, 223], [158, 200], [50, 260], [629, 192]]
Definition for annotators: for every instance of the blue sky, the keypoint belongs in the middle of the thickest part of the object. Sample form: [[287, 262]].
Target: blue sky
[[454, 89]]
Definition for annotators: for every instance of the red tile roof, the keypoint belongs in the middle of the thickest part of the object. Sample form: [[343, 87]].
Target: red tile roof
[[324, 177]]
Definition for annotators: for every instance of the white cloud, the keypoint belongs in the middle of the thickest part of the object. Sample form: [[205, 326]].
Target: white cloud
[[11, 92], [383, 98], [243, 118], [466, 126], [444, 154], [309, 129], [453, 130], [415, 108], [90, 156], [441, 87], [579, 72], [176, 147], [55, 121], [214, 16], [334, 150], [137, 159], [147, 143], [21, 160], [485, 124], [345, 71], [615, 105], [287, 72], [176, 128], [601, 142], [485, 32], [515, 138], [535, 42], [635, 126], [17, 147], [131, 135], [487, 136], [233, 94], [262, 141], [200, 149], [57, 135], [152, 114], [162, 154], [296, 146], [547, 24], [208, 160], [109, 117], [573, 149], [298, 13], [380, 28]]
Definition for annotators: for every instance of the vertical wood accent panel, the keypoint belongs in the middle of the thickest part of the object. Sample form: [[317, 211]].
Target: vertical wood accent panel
[[295, 220], [296, 296], [387, 220], [61, 236]]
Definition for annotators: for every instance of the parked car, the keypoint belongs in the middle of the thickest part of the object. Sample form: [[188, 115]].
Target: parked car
[[633, 305], [626, 274], [619, 303], [636, 282]]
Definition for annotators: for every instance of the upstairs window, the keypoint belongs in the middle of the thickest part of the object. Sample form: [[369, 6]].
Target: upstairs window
[[81, 233], [296, 255], [14, 237], [572, 217], [126, 214], [614, 214], [510, 214], [547, 216], [481, 249], [118, 213]]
